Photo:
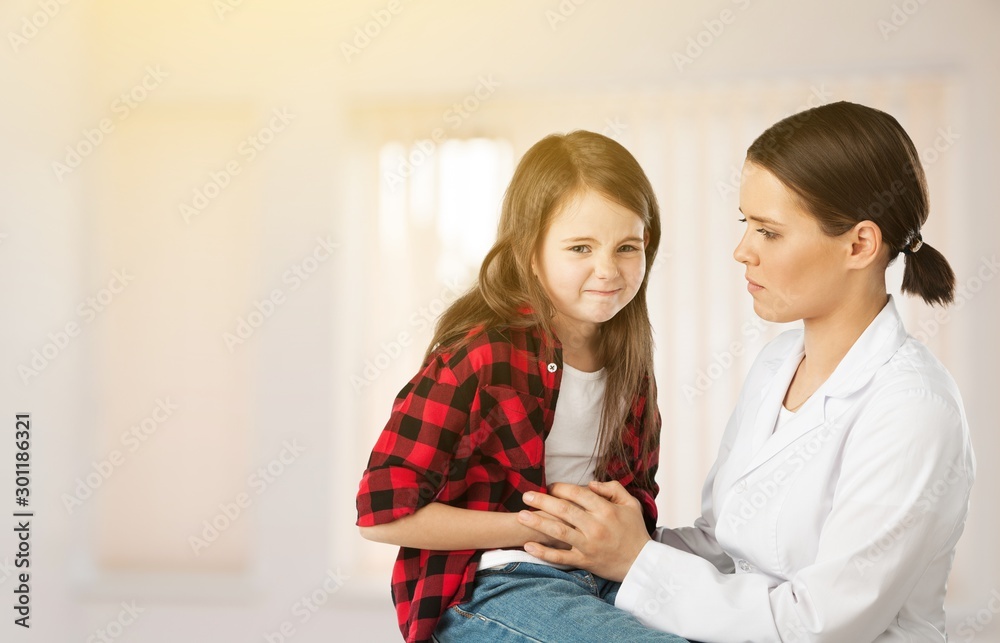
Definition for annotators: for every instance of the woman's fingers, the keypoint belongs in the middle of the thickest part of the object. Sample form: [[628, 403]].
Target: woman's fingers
[[568, 512], [557, 556], [579, 496], [613, 491], [549, 525]]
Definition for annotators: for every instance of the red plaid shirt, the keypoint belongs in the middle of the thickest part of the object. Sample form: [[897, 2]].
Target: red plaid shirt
[[469, 430]]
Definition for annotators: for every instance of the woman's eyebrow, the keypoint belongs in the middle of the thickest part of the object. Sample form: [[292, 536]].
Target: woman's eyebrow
[[756, 219]]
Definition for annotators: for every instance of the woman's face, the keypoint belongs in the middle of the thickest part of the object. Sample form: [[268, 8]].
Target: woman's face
[[794, 270]]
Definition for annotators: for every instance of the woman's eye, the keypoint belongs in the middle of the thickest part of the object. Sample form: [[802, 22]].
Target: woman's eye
[[742, 220], [766, 234]]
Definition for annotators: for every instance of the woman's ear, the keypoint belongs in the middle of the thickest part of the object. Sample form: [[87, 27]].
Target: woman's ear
[[866, 244]]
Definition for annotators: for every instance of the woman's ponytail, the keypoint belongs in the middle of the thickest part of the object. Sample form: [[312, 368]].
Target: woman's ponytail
[[927, 274]]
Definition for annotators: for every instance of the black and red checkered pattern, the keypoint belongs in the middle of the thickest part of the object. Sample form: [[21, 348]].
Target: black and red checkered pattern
[[469, 430]]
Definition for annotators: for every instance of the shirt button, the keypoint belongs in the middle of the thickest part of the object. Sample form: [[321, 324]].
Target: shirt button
[[552, 367], [741, 486], [744, 566]]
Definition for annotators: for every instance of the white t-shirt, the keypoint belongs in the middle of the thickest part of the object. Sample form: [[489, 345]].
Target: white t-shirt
[[570, 447]]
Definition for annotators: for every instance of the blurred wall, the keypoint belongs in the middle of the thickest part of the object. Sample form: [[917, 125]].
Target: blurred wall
[[207, 83]]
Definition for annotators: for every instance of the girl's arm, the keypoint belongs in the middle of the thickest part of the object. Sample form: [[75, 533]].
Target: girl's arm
[[441, 527]]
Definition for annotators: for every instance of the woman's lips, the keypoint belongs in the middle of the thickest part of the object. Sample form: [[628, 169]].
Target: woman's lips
[[753, 287]]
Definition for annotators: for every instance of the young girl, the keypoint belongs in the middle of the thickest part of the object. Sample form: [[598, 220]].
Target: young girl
[[558, 315], [842, 483]]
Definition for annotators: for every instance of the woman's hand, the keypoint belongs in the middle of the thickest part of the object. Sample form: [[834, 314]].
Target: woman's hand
[[530, 535], [602, 524]]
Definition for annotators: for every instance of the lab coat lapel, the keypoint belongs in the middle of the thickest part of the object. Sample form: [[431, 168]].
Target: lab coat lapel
[[875, 347], [770, 399], [809, 417]]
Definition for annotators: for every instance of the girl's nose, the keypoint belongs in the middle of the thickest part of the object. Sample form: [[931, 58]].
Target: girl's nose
[[606, 267]]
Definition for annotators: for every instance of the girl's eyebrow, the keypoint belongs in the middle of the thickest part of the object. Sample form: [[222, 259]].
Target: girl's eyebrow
[[592, 240], [764, 220]]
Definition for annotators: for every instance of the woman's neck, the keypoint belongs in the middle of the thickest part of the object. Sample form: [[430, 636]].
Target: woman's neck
[[828, 339]]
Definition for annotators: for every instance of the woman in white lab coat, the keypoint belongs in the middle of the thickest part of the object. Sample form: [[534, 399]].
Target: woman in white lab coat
[[842, 483]]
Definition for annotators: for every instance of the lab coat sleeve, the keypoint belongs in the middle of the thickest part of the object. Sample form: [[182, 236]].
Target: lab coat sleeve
[[901, 500]]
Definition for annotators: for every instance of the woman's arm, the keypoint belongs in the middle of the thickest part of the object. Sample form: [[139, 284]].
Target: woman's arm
[[442, 527]]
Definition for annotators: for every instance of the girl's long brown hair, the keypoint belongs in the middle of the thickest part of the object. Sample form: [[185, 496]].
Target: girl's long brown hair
[[506, 295]]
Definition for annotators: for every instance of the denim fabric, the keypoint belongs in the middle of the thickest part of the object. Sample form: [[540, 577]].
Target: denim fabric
[[522, 602]]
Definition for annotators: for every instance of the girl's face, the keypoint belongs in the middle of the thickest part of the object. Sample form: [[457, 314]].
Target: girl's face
[[591, 261], [794, 270]]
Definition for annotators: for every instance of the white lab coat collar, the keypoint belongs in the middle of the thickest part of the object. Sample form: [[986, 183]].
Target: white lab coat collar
[[876, 345]]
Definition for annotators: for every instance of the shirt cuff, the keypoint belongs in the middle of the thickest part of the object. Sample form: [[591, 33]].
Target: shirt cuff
[[643, 589]]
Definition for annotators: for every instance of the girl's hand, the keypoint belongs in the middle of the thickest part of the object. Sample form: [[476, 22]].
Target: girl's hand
[[602, 524]]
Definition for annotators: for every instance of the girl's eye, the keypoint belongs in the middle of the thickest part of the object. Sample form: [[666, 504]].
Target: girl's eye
[[580, 249], [628, 248]]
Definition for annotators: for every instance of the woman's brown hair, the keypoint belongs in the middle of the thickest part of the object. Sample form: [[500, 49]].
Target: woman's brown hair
[[551, 173], [850, 163]]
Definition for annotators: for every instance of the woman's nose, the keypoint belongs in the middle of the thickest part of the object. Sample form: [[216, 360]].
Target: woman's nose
[[742, 252]]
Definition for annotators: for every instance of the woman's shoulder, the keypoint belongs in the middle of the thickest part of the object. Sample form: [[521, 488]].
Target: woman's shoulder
[[915, 371]]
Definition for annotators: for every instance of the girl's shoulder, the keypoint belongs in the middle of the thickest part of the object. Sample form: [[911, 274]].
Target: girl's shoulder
[[483, 348]]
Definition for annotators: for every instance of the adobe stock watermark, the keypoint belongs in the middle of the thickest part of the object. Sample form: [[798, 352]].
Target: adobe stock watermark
[[307, 605], [258, 482], [87, 310], [453, 117], [294, 277], [666, 590], [121, 108], [965, 292], [365, 34], [6, 570], [248, 150], [924, 505], [419, 321], [898, 17], [115, 628], [613, 128], [704, 39], [32, 25], [975, 623], [225, 7], [722, 361], [731, 184], [945, 138], [753, 499], [563, 11], [131, 438]]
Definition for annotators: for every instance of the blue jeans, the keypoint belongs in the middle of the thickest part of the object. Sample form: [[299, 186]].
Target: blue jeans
[[528, 602]]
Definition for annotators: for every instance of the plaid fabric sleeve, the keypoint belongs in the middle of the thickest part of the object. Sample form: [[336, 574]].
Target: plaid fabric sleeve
[[410, 461]]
